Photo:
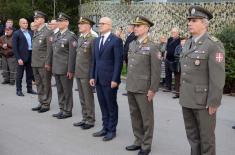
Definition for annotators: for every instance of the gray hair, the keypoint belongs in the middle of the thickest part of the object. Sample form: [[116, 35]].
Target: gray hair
[[206, 22]]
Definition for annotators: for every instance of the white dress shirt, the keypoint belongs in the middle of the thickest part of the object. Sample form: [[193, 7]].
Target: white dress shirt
[[106, 35]]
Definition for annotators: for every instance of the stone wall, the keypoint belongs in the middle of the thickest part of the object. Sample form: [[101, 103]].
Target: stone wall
[[164, 15]]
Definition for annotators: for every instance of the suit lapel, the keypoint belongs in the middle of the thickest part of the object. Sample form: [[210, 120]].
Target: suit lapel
[[108, 40], [23, 36]]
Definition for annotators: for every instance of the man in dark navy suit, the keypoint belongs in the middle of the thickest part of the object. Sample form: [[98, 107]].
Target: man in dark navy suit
[[22, 49], [105, 74]]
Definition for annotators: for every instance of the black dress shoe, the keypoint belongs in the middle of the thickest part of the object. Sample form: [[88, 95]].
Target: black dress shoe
[[124, 94], [31, 92], [57, 114], [143, 152], [42, 110], [176, 96], [87, 126], [5, 82], [109, 136], [133, 148], [100, 133], [78, 124], [64, 116], [19, 93], [12, 83], [36, 108], [233, 127]]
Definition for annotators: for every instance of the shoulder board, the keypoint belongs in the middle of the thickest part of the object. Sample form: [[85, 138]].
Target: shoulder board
[[213, 38], [92, 35], [146, 40], [71, 32]]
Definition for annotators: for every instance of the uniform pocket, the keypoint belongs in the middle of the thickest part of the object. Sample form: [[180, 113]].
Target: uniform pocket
[[198, 60], [143, 82], [201, 92]]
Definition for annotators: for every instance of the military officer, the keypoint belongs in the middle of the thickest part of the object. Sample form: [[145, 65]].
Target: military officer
[[142, 83], [62, 58], [39, 55], [82, 71], [202, 82]]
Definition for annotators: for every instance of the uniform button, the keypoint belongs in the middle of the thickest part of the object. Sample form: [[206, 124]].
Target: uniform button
[[185, 65], [130, 65], [205, 89], [184, 73], [132, 60], [183, 81]]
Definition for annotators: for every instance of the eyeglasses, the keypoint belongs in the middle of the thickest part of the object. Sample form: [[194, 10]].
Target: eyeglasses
[[103, 24]]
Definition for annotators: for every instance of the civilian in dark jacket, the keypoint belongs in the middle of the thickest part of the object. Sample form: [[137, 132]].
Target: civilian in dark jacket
[[172, 43], [22, 49], [130, 37], [176, 66]]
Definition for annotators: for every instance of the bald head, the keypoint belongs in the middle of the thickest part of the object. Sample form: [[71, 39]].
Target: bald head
[[23, 23], [105, 25], [175, 32]]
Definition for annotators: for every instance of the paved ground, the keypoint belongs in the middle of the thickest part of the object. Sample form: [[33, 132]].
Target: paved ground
[[23, 132]]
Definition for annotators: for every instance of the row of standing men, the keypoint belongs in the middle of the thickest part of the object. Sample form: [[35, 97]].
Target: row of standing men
[[98, 62]]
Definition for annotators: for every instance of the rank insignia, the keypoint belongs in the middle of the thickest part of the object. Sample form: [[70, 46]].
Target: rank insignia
[[197, 62]]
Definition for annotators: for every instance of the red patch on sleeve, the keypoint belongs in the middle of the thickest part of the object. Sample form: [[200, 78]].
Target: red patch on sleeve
[[219, 56]]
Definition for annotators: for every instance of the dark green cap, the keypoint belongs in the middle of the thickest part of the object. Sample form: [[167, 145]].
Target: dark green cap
[[84, 20], [199, 12], [62, 16], [140, 20], [39, 14]]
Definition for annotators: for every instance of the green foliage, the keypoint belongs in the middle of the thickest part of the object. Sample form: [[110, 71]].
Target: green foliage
[[17, 9], [227, 36], [124, 70]]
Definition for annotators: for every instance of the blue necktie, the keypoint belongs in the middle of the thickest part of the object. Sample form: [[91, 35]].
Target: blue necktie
[[101, 43]]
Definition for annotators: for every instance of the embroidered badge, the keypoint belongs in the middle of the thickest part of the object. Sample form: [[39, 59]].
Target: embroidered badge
[[219, 57], [193, 11], [197, 62]]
